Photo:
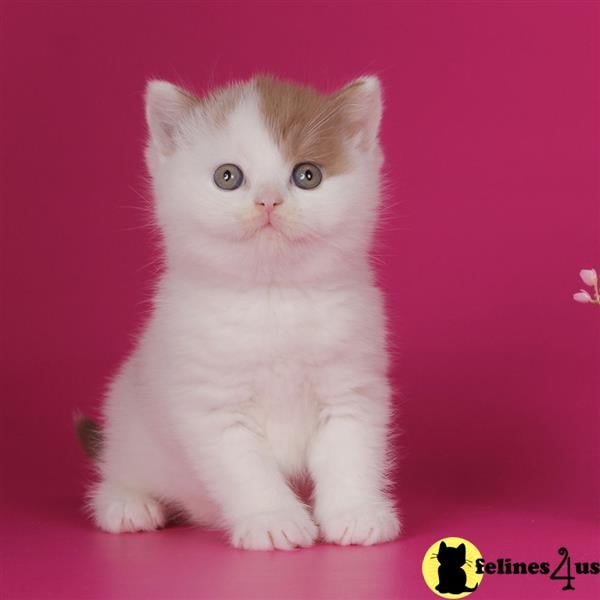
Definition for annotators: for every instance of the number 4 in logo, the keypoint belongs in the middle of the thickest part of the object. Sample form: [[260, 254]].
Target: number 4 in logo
[[566, 559]]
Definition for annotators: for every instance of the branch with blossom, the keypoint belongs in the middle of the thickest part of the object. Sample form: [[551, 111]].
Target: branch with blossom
[[589, 277]]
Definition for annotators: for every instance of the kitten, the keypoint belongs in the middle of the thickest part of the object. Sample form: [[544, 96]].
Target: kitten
[[453, 579], [264, 357]]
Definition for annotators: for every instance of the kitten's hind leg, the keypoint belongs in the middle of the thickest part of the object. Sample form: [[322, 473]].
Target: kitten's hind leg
[[117, 509]]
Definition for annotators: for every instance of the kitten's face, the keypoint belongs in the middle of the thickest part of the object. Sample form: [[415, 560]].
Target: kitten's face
[[450, 556], [264, 168]]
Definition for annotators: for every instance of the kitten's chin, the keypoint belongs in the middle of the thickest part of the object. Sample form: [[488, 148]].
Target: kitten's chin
[[280, 233], [271, 234]]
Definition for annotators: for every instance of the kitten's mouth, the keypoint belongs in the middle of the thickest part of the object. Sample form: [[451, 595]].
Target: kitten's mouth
[[269, 225], [262, 226], [269, 222]]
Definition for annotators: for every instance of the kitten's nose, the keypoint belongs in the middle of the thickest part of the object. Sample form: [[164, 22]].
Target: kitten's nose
[[268, 203]]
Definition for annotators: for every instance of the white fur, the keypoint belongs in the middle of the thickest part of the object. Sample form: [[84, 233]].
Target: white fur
[[264, 357]]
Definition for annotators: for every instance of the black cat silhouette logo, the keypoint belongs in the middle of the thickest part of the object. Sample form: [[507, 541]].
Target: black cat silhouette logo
[[449, 568]]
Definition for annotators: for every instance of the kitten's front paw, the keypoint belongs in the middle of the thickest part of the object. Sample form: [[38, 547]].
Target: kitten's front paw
[[365, 525], [284, 529]]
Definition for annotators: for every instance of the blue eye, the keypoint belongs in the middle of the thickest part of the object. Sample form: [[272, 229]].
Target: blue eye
[[307, 176], [228, 177]]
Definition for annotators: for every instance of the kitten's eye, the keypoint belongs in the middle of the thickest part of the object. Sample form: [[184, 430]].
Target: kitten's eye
[[307, 176], [228, 177]]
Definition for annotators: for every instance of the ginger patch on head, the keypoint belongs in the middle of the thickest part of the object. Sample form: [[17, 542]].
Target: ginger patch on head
[[307, 125]]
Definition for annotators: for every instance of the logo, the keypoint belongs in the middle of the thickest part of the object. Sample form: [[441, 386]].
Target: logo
[[449, 568], [453, 568]]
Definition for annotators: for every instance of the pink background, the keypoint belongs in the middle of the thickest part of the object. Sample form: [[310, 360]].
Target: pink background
[[491, 132]]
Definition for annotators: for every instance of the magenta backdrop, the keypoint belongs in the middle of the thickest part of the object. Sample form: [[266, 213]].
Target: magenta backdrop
[[491, 132]]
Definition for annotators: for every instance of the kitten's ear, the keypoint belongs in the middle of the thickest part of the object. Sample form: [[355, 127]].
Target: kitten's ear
[[442, 546], [166, 107], [364, 106], [462, 549]]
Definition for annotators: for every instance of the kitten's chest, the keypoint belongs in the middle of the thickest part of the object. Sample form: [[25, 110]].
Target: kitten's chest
[[275, 324]]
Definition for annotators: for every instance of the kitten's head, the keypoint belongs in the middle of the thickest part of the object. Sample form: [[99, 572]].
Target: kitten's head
[[265, 177], [450, 556]]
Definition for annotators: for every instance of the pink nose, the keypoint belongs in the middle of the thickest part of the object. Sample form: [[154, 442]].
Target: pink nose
[[268, 204]]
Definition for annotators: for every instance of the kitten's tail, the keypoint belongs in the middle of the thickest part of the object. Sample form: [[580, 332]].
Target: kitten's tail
[[90, 435], [468, 589]]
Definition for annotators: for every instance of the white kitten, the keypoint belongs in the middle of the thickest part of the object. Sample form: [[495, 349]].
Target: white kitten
[[264, 357]]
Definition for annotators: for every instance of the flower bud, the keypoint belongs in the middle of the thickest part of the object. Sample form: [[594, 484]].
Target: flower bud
[[582, 296], [589, 277]]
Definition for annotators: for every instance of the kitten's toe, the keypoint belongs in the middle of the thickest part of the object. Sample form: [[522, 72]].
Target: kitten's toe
[[284, 529], [365, 525], [117, 510]]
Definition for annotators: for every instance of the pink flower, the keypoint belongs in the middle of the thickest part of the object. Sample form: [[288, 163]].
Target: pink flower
[[582, 296], [589, 277]]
